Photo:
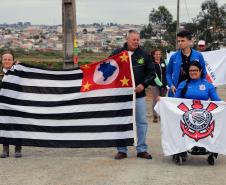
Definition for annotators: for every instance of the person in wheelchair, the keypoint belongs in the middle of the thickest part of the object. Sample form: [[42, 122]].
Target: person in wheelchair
[[198, 88]]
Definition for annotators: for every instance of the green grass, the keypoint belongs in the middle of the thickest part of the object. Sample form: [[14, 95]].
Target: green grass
[[55, 60], [85, 58]]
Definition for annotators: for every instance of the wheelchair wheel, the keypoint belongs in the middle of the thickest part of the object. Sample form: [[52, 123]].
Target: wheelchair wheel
[[210, 160], [178, 159], [184, 156]]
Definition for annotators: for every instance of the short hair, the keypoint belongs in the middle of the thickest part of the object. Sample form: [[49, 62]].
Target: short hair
[[185, 33], [132, 31], [7, 52]]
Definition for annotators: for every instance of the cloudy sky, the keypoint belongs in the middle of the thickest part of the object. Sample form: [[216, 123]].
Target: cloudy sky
[[89, 11]]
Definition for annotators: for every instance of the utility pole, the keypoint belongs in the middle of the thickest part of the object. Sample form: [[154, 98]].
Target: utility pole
[[178, 21], [69, 27]]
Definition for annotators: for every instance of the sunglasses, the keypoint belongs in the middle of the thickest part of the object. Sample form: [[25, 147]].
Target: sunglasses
[[193, 70]]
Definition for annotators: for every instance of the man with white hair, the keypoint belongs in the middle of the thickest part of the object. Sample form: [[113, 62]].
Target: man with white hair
[[144, 74]]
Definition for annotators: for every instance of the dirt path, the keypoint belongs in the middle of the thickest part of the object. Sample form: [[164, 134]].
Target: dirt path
[[43, 166]]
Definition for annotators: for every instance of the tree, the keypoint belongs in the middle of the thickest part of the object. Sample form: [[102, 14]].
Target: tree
[[192, 27], [151, 45], [211, 23], [160, 20], [146, 32], [161, 30], [170, 36]]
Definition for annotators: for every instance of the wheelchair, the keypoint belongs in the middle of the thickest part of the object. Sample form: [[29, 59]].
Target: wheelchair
[[180, 158]]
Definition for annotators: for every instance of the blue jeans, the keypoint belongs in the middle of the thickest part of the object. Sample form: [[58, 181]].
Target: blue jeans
[[141, 124]]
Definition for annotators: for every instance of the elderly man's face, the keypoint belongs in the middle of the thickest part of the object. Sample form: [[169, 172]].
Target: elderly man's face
[[133, 41], [201, 48], [7, 61]]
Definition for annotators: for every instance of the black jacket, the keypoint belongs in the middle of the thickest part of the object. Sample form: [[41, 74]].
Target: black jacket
[[160, 70], [143, 68]]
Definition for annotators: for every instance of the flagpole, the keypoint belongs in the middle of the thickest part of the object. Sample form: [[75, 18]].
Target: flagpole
[[75, 51], [178, 21], [68, 25], [134, 101]]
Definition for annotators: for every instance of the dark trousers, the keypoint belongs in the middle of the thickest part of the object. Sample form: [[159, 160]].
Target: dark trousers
[[17, 144]]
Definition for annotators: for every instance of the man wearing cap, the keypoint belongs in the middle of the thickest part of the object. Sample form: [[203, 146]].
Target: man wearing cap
[[201, 46]]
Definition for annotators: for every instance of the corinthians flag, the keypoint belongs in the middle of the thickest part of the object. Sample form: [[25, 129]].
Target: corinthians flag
[[187, 123], [91, 106]]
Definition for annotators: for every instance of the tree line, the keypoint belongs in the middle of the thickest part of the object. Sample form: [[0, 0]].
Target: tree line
[[208, 25]]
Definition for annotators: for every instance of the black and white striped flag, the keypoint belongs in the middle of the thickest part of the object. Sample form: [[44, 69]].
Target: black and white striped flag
[[47, 108]]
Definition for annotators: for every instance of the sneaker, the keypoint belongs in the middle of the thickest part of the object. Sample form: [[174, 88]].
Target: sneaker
[[18, 153], [4, 155], [5, 152], [155, 119]]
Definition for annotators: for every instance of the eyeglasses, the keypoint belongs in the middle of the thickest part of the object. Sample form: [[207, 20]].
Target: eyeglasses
[[193, 70]]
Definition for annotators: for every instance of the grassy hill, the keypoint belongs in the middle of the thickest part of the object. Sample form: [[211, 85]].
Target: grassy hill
[[53, 59]]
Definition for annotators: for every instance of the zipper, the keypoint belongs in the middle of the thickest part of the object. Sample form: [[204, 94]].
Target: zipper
[[160, 70]]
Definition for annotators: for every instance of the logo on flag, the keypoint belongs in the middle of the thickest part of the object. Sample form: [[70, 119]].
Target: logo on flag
[[197, 122], [106, 72], [110, 73]]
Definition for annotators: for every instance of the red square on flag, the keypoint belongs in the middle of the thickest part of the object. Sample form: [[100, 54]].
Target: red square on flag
[[113, 72]]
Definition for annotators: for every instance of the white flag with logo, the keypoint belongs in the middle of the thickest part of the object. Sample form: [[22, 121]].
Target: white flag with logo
[[216, 66], [187, 123]]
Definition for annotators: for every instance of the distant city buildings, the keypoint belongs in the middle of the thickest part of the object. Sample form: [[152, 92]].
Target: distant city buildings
[[94, 37]]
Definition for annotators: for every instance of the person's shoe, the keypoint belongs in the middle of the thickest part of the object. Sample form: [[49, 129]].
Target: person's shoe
[[144, 155], [155, 120], [18, 153], [5, 152], [120, 155]]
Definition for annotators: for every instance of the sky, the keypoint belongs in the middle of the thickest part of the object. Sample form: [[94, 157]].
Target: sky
[[49, 12]]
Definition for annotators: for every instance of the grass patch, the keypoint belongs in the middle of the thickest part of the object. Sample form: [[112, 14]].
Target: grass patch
[[53, 59]]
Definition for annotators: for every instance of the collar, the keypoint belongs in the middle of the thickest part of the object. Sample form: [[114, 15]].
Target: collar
[[183, 55], [5, 70]]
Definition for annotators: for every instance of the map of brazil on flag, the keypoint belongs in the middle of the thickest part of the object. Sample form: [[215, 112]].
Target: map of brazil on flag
[[113, 72], [90, 106]]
